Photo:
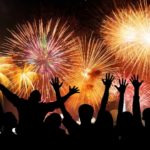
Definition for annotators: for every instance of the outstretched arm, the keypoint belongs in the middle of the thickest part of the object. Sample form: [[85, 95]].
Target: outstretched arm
[[121, 89], [13, 98], [60, 100], [107, 82], [68, 121], [136, 99]]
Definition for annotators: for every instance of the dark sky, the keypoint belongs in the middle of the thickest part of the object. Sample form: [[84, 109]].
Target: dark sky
[[13, 12]]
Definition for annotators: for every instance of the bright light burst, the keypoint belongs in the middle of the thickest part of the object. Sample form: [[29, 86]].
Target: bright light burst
[[23, 80], [6, 66], [96, 61], [127, 32], [50, 47]]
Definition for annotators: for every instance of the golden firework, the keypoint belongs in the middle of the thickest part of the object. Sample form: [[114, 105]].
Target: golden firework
[[127, 32], [23, 80], [95, 62]]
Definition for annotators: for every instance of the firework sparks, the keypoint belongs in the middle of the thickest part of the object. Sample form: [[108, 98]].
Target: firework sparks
[[96, 61], [50, 47], [129, 93], [127, 32], [5, 66], [23, 80], [144, 97]]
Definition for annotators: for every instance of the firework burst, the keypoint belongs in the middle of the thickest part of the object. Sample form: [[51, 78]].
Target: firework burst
[[50, 47], [127, 32], [23, 80], [5, 66], [96, 61]]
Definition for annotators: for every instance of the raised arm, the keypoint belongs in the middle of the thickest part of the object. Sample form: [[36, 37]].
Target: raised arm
[[60, 100], [136, 100], [56, 85], [121, 88], [107, 82], [68, 121], [13, 98]]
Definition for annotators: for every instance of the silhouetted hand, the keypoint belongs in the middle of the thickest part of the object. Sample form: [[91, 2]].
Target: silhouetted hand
[[135, 81], [55, 83], [122, 85], [73, 90], [108, 80]]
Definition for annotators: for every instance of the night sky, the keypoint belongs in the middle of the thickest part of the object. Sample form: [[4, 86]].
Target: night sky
[[83, 13]]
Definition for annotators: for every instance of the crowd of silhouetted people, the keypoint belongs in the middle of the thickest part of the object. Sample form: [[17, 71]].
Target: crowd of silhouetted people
[[130, 128]]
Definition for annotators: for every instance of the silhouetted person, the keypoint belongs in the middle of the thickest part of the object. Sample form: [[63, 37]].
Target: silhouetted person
[[136, 101], [146, 130], [138, 126], [9, 122], [32, 111], [78, 133], [130, 126], [85, 132], [52, 126], [107, 82], [124, 121], [104, 122], [146, 118], [125, 130], [121, 88], [52, 131]]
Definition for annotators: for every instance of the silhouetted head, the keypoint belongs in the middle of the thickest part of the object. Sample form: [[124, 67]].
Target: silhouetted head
[[146, 116], [53, 120], [106, 120], [35, 96], [126, 120], [85, 113], [9, 120]]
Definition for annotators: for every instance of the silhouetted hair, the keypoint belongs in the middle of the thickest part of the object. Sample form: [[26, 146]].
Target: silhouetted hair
[[146, 114], [35, 95], [53, 119], [85, 112]]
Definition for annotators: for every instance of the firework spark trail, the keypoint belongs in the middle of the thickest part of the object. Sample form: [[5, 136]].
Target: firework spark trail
[[96, 61], [50, 47], [127, 32]]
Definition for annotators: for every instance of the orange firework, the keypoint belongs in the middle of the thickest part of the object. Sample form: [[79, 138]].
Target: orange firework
[[95, 62], [6, 68], [23, 80], [127, 32]]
